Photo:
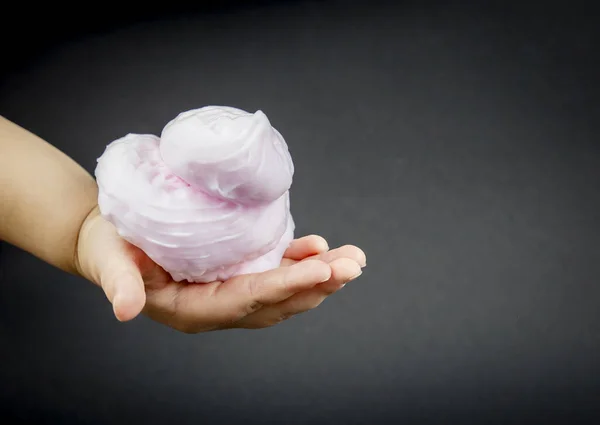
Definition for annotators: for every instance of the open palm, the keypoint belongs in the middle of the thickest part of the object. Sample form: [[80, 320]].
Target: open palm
[[308, 274]]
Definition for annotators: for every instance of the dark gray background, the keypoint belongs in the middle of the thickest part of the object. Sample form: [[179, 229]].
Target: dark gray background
[[457, 145]]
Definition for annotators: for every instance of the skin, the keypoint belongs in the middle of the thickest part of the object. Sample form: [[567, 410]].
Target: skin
[[52, 213]]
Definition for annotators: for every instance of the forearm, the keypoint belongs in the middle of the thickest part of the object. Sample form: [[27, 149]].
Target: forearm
[[44, 197]]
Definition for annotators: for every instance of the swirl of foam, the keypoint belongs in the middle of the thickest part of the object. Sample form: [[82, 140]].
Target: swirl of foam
[[207, 200]]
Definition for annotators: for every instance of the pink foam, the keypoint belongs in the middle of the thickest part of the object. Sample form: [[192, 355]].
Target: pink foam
[[207, 200]]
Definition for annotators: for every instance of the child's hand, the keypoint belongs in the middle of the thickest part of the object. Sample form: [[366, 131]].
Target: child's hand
[[309, 273]]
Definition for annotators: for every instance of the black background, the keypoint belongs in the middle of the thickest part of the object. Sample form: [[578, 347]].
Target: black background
[[455, 143]]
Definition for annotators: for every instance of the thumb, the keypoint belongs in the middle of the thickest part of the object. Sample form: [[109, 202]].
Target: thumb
[[124, 288], [106, 259]]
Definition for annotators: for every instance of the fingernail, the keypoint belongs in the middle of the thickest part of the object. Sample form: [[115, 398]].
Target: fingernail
[[115, 305], [354, 277]]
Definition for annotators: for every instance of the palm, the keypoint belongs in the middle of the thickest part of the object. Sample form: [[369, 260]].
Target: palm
[[309, 272]]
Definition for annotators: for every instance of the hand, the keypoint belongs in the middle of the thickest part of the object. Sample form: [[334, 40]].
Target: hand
[[133, 283]]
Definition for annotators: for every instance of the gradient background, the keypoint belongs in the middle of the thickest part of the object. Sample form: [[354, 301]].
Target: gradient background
[[457, 145]]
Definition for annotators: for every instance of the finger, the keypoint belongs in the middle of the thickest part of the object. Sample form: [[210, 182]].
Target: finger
[[248, 293], [124, 288], [343, 270], [306, 246], [194, 308], [347, 251]]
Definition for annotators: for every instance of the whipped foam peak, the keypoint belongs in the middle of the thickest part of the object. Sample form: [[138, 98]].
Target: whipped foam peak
[[208, 199], [231, 153]]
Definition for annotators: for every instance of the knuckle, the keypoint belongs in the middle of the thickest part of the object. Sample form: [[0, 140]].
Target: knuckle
[[279, 318], [285, 316], [271, 322], [253, 307], [253, 295], [174, 306], [285, 280], [230, 317], [253, 287]]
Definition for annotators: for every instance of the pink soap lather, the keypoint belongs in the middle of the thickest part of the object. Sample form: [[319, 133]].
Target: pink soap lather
[[208, 199]]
